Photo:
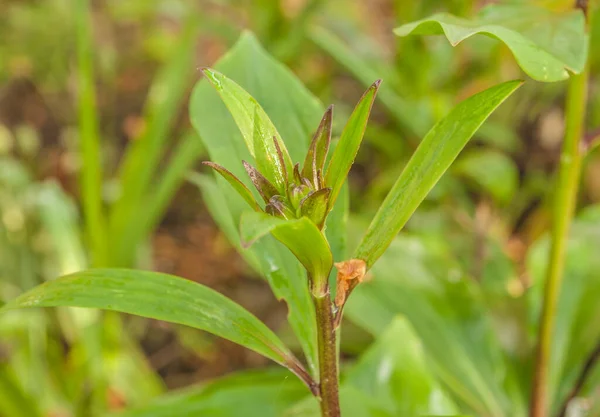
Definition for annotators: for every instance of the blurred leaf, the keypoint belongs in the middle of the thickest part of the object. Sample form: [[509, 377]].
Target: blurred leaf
[[300, 236], [264, 393], [432, 158], [91, 159], [257, 129], [13, 401], [296, 113], [158, 296], [139, 166], [577, 329], [350, 140], [407, 113], [393, 372], [353, 403], [419, 279], [545, 44], [493, 172]]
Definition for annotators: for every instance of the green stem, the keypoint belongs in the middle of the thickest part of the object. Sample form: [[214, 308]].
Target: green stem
[[564, 206], [328, 374]]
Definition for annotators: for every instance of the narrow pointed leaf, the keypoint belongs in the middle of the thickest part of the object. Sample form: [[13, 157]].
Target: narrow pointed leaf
[[314, 206], [300, 236], [347, 148], [317, 152], [545, 44], [242, 190], [162, 297], [256, 127], [432, 158], [264, 187]]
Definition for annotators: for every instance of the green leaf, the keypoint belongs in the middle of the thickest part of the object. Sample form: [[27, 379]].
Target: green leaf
[[353, 403], [162, 297], [314, 206], [256, 128], [493, 172], [412, 115], [317, 151], [577, 329], [300, 236], [418, 278], [263, 393], [138, 174], [394, 372], [90, 149], [431, 159], [239, 186], [546, 45], [350, 140], [295, 112], [13, 401]]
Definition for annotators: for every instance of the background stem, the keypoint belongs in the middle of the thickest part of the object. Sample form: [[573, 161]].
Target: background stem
[[564, 206], [330, 403]]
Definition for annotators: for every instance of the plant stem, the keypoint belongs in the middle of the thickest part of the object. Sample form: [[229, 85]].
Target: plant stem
[[326, 336], [564, 206]]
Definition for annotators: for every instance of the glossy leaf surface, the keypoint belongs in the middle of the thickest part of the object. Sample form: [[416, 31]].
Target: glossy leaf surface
[[256, 128], [546, 45], [158, 296], [432, 158]]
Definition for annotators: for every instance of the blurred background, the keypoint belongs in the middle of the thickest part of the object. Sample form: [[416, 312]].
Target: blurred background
[[122, 71]]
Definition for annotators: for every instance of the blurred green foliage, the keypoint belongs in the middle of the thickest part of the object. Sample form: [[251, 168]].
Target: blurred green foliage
[[452, 306]]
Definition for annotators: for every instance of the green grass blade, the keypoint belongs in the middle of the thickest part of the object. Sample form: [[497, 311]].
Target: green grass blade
[[155, 202], [161, 297], [402, 110], [432, 158], [91, 158], [143, 156]]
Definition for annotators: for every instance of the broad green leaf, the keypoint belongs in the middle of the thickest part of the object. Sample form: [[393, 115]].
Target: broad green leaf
[[432, 158], [419, 279], [264, 393], [546, 45], [350, 140], [296, 113], [300, 236], [577, 329], [256, 128], [492, 172], [158, 296], [394, 372]]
